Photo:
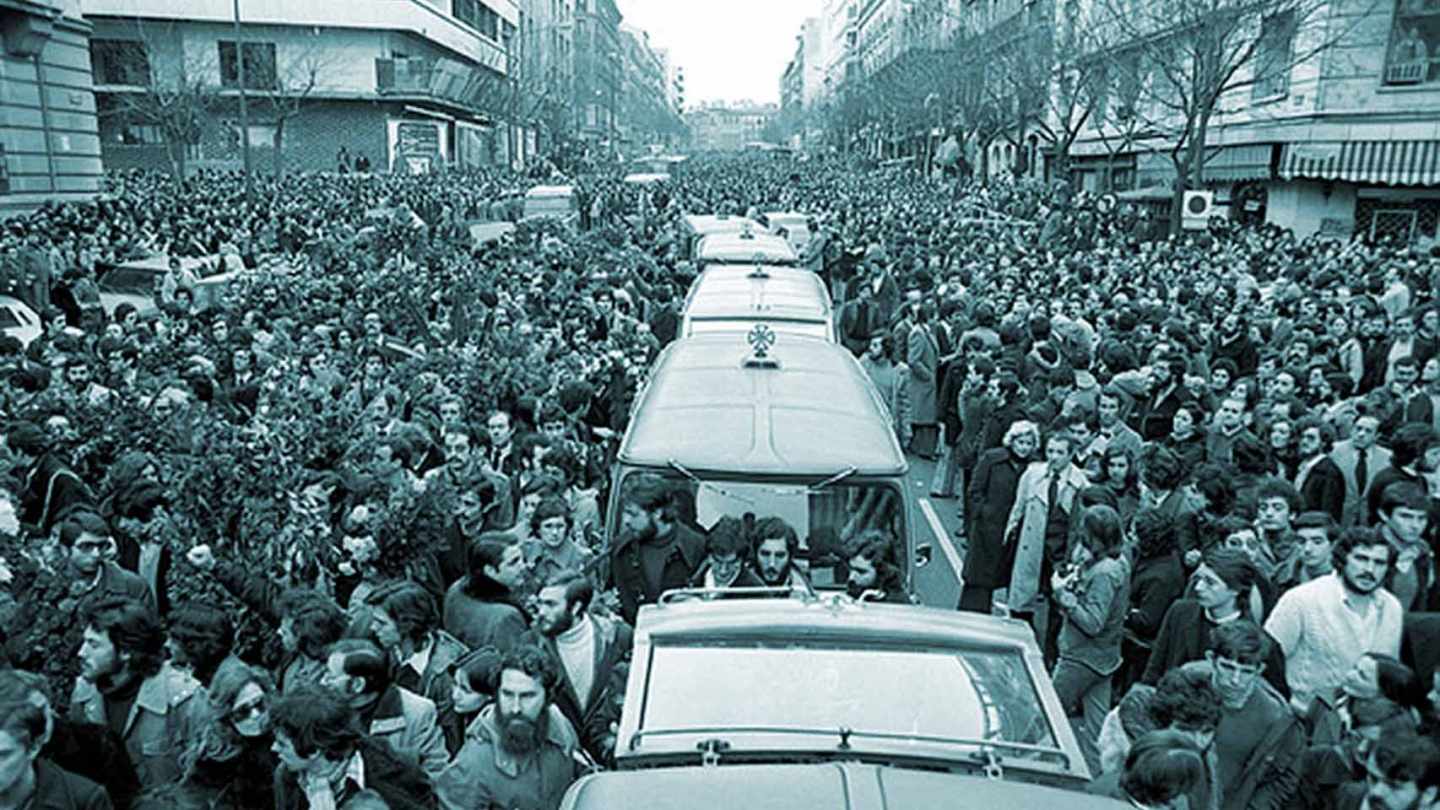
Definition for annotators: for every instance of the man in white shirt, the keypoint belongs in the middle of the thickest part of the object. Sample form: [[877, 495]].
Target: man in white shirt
[[1326, 624]]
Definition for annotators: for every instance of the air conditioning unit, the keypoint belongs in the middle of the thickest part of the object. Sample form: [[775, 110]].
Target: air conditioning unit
[[1197, 208]]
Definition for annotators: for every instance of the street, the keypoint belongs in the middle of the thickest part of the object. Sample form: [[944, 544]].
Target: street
[[939, 582]]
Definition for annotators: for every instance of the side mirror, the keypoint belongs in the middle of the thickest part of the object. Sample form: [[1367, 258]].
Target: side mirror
[[923, 554]]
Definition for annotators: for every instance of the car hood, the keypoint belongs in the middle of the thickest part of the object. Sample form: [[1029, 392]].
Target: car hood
[[838, 786]]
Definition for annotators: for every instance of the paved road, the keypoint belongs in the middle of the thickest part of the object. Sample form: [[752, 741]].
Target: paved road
[[939, 582]]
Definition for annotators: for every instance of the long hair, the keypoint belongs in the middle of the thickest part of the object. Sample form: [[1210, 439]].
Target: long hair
[[879, 547], [217, 741]]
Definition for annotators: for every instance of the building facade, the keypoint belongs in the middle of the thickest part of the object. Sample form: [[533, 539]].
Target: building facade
[[48, 144], [728, 127], [598, 67], [646, 120], [1341, 138], [410, 85], [544, 71]]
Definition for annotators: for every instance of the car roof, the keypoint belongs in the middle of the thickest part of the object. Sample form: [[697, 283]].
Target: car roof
[[161, 264], [708, 409], [10, 301], [787, 216], [758, 291], [735, 247], [647, 177], [704, 224], [550, 191], [827, 786], [832, 618]]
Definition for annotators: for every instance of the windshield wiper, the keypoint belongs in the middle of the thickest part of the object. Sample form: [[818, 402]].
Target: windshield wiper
[[834, 479], [845, 734]]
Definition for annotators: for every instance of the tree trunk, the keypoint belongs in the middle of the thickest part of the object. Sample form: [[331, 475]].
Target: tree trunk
[[277, 156]]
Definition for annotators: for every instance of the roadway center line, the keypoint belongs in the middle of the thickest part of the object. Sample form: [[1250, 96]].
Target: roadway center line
[[938, 529]]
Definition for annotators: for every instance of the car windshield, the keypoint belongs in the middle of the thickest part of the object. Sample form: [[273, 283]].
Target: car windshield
[[132, 280], [822, 514], [918, 692], [808, 328]]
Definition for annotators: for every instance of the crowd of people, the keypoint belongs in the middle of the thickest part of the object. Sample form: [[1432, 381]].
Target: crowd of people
[[336, 537]]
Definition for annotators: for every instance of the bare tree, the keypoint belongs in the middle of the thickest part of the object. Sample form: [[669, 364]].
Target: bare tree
[[173, 92], [290, 92], [1190, 60]]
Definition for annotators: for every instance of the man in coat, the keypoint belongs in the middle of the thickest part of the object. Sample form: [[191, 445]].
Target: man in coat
[[126, 684], [656, 552], [594, 656], [922, 355], [858, 318], [52, 489], [359, 670], [1318, 479], [1358, 457], [1044, 501], [325, 760], [517, 752], [403, 618]]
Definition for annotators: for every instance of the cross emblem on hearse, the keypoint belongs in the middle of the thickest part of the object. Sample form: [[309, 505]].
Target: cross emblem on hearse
[[761, 338]]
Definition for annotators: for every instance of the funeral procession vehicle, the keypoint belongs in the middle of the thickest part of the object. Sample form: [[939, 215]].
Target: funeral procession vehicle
[[823, 701], [734, 298], [793, 430]]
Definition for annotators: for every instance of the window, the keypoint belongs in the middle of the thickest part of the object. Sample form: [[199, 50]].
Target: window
[[1414, 53], [119, 61], [1273, 56], [479, 16], [259, 65]]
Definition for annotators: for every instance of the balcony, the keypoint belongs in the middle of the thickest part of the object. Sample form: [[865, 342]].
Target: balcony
[[469, 87]]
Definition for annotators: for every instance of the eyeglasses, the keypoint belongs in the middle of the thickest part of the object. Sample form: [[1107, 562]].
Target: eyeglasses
[[249, 710]]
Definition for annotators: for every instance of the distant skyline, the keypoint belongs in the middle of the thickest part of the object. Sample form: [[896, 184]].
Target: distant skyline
[[730, 51]]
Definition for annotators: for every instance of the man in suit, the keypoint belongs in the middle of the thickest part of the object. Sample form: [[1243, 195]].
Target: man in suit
[[1319, 480], [594, 656], [1359, 460]]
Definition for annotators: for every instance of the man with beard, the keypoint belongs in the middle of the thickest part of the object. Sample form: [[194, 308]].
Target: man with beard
[[1259, 740], [656, 551], [1326, 624], [1319, 481], [594, 654], [870, 563], [517, 753], [361, 672], [776, 548], [126, 684], [28, 779], [1402, 772], [325, 760]]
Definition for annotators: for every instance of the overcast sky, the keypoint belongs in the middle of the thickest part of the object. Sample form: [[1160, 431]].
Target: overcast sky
[[730, 49]]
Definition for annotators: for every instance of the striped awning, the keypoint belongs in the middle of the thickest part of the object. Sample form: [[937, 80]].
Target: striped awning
[[1238, 163], [1391, 163]]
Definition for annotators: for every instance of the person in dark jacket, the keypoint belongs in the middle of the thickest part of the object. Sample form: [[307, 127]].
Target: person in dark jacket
[[51, 489], [32, 781], [1157, 581], [1318, 478], [996, 479], [656, 551], [872, 567], [483, 610], [727, 558], [318, 743], [1219, 582]]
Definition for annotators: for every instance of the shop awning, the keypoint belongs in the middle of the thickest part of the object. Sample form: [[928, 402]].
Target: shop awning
[[1391, 163], [1235, 164]]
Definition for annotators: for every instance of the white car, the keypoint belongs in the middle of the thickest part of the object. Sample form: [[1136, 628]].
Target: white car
[[18, 320]]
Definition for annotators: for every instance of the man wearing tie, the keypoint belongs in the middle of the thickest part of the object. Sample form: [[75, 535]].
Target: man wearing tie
[[1359, 460]]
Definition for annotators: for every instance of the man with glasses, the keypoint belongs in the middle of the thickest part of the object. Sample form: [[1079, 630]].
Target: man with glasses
[[1326, 624], [1259, 739]]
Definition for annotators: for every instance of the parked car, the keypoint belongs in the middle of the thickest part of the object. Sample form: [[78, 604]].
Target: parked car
[[18, 320], [134, 282]]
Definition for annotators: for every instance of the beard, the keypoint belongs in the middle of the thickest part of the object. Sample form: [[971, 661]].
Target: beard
[[558, 625], [518, 733], [1360, 588]]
